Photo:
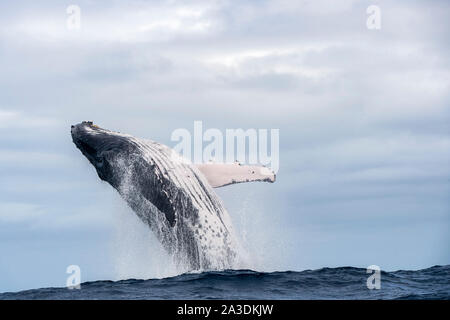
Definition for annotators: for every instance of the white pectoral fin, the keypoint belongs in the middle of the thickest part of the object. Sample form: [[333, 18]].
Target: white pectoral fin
[[222, 174]]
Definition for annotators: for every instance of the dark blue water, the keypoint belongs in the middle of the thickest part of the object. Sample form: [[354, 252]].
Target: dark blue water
[[326, 283]]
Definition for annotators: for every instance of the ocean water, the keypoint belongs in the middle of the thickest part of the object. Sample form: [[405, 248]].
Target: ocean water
[[326, 283]]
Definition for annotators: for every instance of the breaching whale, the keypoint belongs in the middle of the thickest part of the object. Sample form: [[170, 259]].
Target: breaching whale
[[174, 197]]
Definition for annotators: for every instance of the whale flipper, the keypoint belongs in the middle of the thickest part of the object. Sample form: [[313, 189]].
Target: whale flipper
[[223, 174]]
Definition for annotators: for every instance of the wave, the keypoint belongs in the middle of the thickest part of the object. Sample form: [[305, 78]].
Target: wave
[[325, 283]]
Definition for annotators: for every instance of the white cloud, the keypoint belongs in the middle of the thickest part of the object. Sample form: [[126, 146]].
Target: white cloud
[[276, 60], [20, 212], [16, 119], [33, 159], [146, 22]]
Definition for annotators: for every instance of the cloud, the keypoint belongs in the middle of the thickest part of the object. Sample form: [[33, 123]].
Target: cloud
[[143, 22], [18, 212], [14, 119]]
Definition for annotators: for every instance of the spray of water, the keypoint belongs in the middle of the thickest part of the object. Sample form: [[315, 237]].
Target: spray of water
[[136, 251]]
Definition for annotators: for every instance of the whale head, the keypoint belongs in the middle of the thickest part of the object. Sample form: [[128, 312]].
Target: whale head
[[101, 147]]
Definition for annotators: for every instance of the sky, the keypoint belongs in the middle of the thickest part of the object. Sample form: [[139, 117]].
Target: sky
[[363, 117]]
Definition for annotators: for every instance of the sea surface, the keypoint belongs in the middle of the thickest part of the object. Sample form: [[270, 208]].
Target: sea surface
[[325, 283]]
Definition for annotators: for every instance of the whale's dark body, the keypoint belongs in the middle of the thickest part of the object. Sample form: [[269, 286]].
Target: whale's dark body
[[168, 194]]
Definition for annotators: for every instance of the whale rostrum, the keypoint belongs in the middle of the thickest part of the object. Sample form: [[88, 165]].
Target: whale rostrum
[[174, 197]]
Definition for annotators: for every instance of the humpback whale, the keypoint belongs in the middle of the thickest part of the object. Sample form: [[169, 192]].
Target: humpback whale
[[174, 197]]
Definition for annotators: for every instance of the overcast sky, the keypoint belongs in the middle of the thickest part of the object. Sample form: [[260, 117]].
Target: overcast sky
[[363, 118]]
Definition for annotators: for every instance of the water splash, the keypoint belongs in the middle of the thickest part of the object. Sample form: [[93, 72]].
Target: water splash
[[136, 252]]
